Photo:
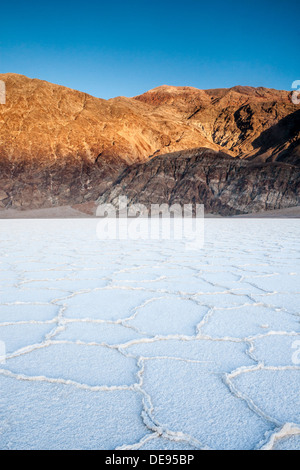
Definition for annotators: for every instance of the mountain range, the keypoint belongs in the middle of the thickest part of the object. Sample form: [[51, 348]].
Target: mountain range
[[236, 150]]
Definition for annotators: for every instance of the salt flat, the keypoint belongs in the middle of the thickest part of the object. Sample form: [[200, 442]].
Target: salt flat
[[148, 345]]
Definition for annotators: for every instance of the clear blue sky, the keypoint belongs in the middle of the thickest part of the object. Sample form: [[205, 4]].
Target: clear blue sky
[[111, 48]]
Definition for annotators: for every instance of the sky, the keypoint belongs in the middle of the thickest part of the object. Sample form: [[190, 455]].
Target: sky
[[124, 48]]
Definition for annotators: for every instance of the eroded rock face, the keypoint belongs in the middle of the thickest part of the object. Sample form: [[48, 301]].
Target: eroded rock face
[[26, 185], [60, 146], [224, 185], [257, 123], [44, 123]]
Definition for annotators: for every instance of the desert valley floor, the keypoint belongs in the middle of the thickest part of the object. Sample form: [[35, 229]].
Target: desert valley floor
[[148, 345]]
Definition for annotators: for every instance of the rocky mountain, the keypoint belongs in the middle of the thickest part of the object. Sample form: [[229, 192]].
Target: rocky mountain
[[256, 123], [59, 146], [28, 185], [224, 185], [46, 123]]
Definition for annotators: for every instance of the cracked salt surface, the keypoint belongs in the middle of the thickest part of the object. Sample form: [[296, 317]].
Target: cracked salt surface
[[147, 345]]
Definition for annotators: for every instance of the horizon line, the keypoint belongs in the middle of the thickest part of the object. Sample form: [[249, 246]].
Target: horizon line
[[149, 90]]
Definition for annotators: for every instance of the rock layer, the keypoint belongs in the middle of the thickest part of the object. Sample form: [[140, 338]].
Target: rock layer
[[26, 185], [224, 185]]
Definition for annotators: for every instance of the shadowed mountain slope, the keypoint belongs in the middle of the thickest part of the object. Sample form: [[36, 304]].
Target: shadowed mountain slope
[[224, 185], [59, 146]]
